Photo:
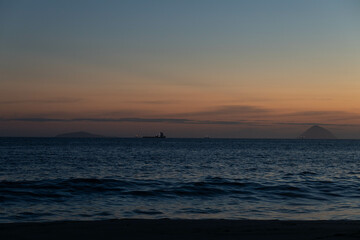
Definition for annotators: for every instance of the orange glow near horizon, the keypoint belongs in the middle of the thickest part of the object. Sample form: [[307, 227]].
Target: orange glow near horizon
[[266, 73]]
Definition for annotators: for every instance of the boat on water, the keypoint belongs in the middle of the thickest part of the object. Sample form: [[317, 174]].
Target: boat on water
[[160, 135]]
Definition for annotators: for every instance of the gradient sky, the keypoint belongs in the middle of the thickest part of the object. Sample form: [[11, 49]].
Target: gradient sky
[[255, 68]]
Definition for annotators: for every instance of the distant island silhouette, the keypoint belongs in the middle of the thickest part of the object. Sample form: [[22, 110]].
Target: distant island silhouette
[[79, 135], [317, 132]]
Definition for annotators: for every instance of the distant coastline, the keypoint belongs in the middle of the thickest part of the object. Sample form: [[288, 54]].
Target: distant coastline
[[212, 138], [313, 133]]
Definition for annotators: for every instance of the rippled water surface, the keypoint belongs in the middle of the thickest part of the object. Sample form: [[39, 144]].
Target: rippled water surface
[[44, 179]]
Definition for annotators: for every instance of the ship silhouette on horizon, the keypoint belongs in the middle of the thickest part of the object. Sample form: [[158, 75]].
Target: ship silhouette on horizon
[[160, 135]]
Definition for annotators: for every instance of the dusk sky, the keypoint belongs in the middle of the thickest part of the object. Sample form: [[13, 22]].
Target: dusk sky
[[255, 68]]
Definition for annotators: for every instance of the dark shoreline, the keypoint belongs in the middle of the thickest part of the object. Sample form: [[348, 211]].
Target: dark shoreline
[[182, 229]]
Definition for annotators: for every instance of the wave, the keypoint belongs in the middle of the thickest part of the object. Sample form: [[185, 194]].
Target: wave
[[63, 189]]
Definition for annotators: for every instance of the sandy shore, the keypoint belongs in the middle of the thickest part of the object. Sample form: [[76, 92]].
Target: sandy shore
[[182, 229]]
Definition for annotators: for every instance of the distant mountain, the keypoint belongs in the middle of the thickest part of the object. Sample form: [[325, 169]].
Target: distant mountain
[[79, 135], [317, 132]]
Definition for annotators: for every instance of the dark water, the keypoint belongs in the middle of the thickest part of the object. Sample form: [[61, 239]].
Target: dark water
[[71, 179]]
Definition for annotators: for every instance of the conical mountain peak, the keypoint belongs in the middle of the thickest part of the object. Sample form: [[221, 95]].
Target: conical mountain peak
[[317, 132]]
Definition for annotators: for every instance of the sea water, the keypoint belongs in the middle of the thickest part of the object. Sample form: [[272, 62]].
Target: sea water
[[48, 179]]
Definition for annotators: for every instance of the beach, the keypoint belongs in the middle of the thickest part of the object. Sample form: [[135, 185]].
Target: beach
[[182, 229]]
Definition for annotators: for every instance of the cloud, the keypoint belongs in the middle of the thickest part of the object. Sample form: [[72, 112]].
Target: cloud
[[155, 102], [143, 120], [35, 120], [176, 121], [324, 115], [315, 123], [229, 110], [317, 113], [253, 116], [135, 120], [172, 120], [42, 101]]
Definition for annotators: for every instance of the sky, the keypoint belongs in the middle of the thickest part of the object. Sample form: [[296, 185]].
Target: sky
[[232, 69]]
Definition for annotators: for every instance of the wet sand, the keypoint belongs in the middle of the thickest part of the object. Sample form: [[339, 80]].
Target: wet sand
[[182, 229]]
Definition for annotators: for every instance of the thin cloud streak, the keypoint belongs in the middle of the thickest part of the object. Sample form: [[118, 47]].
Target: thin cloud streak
[[318, 113], [42, 101], [155, 102], [315, 123], [228, 110], [174, 121], [135, 120], [328, 115]]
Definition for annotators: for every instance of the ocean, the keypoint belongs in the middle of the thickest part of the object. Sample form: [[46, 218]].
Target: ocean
[[50, 179]]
